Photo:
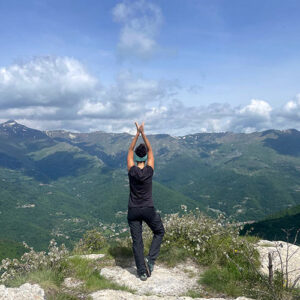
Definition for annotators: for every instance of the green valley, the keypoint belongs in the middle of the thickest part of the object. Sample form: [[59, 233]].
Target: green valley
[[59, 184]]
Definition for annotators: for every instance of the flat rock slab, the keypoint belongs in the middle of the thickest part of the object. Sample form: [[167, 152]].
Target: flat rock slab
[[89, 256], [280, 249], [25, 292], [122, 295], [72, 282], [163, 281]]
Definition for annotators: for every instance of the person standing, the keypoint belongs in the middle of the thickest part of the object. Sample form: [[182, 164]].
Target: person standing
[[140, 204]]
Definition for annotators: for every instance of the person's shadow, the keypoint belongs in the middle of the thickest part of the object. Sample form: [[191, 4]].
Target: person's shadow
[[124, 258], [132, 270]]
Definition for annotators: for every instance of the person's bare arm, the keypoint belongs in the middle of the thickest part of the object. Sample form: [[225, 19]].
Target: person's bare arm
[[130, 161], [150, 161]]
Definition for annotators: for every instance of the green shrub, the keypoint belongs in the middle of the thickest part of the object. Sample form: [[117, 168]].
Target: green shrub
[[232, 261], [209, 241], [93, 240], [32, 261]]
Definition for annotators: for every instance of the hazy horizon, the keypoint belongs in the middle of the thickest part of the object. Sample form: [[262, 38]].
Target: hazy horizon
[[153, 133]]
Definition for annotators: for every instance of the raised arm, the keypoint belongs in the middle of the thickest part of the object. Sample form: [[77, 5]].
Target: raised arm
[[130, 161], [150, 161]]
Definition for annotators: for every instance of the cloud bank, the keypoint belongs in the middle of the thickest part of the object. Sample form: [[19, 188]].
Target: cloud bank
[[140, 23], [59, 93]]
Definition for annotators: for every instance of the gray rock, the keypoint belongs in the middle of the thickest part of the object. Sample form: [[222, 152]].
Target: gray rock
[[25, 292], [122, 295], [89, 256], [72, 282], [280, 251], [163, 281]]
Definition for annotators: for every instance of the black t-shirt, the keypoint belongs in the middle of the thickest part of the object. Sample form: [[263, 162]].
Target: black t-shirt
[[140, 182]]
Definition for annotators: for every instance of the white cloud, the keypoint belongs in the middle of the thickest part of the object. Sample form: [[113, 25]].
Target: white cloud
[[292, 108], [133, 88], [58, 93], [289, 115], [258, 115], [131, 96], [46, 81], [96, 109], [257, 108], [29, 112], [140, 21]]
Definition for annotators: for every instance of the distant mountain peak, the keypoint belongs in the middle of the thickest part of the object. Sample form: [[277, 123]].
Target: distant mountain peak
[[13, 128], [10, 123], [290, 131]]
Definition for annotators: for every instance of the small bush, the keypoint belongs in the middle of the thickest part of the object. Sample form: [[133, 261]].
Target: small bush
[[209, 241], [93, 240], [32, 261], [232, 261]]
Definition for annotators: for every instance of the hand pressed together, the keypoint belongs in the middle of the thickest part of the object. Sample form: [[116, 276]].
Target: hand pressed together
[[140, 129]]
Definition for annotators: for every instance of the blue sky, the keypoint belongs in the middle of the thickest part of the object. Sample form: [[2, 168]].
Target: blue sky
[[182, 66]]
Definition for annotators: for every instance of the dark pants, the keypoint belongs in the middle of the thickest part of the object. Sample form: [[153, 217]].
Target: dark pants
[[135, 217]]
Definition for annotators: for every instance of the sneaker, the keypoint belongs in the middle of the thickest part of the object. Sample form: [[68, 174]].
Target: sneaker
[[143, 276], [149, 266]]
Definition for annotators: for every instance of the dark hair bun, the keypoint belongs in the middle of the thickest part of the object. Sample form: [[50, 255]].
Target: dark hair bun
[[141, 150]]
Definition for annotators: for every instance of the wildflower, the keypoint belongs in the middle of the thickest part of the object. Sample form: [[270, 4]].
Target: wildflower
[[183, 207]]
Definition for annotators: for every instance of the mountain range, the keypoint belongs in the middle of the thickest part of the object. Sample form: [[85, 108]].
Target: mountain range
[[59, 183]]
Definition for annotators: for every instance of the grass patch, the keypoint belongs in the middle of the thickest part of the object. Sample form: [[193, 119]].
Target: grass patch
[[195, 294], [222, 279], [46, 278], [86, 271], [172, 256], [250, 238], [267, 245]]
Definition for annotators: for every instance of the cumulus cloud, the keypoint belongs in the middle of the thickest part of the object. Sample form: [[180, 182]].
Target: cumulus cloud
[[255, 116], [292, 109], [257, 108], [45, 81], [140, 23], [59, 93], [129, 97]]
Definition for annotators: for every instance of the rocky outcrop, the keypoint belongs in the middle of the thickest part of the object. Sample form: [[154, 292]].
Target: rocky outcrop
[[163, 281], [25, 292], [283, 254], [122, 295]]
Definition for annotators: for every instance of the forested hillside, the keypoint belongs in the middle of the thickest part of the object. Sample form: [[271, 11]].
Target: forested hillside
[[58, 183]]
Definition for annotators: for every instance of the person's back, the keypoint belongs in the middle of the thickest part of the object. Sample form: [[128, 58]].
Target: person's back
[[140, 182], [140, 204]]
